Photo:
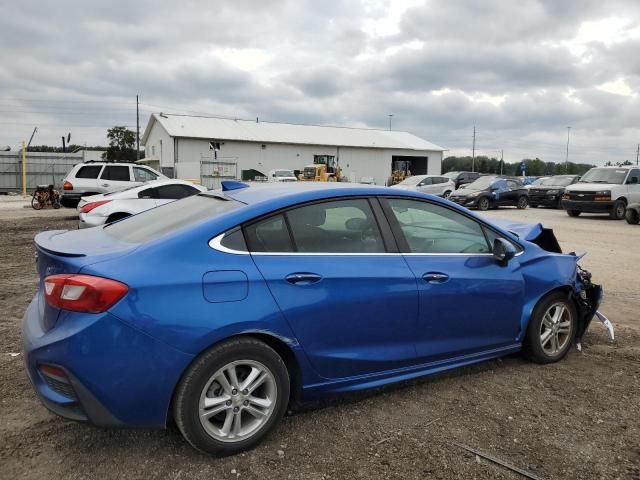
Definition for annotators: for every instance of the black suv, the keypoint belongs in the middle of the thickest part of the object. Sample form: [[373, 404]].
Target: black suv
[[462, 178], [491, 192], [548, 191]]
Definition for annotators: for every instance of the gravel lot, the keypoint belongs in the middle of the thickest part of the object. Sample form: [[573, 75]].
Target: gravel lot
[[574, 419]]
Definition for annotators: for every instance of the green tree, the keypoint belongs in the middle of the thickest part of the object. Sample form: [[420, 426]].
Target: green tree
[[121, 144]]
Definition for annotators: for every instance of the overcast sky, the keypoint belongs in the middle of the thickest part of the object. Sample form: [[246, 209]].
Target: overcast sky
[[521, 72]]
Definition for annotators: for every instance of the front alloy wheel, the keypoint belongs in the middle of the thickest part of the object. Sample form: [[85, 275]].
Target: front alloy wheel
[[523, 202], [232, 396], [551, 329], [483, 204]]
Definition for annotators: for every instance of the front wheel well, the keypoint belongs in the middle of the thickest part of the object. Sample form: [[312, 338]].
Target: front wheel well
[[117, 216]]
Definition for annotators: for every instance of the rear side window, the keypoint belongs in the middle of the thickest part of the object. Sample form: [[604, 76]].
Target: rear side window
[[429, 228], [89, 171], [343, 226], [175, 192], [169, 218], [143, 175], [118, 173], [269, 235]]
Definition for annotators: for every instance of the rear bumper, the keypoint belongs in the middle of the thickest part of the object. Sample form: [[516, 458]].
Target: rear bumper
[[116, 375], [588, 206], [70, 200]]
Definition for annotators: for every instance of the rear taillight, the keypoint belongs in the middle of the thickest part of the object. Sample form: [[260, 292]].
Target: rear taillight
[[83, 293], [67, 185], [90, 206]]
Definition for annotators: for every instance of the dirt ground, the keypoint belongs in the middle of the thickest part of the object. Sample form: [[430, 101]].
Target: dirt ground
[[574, 419]]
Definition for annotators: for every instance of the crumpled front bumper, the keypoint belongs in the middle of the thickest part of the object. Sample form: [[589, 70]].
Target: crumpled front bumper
[[587, 297]]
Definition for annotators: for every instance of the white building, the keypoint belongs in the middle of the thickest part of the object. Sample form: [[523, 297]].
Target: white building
[[209, 149]]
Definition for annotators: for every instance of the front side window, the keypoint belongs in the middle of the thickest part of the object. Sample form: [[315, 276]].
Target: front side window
[[143, 175], [513, 185], [118, 173], [343, 226], [430, 228]]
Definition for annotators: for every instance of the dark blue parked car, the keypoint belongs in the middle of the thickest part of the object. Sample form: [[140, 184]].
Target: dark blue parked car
[[219, 310]]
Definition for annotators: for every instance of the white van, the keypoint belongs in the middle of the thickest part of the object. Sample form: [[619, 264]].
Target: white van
[[603, 190]]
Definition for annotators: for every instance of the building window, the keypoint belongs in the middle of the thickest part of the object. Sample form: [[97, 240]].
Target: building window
[[153, 150]]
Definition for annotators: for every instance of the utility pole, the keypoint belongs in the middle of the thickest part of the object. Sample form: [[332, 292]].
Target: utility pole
[[137, 130], [501, 160], [637, 154], [390, 117], [566, 160], [473, 151], [35, 129], [24, 169]]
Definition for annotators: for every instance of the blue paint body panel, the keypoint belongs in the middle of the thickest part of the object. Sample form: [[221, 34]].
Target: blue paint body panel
[[370, 320]]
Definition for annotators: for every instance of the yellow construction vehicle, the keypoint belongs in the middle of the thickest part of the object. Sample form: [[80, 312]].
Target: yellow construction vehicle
[[398, 176], [320, 172]]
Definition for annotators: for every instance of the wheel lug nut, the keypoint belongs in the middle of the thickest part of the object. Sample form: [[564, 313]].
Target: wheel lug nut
[[234, 391], [245, 391], [228, 402], [235, 409], [246, 402]]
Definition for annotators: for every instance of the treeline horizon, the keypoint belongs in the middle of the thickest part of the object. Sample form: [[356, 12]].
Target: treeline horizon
[[535, 167]]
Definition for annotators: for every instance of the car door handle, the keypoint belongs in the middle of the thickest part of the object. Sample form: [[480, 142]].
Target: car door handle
[[105, 185], [303, 278], [435, 277]]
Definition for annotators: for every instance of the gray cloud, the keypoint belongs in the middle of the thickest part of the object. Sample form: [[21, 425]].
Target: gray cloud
[[77, 66]]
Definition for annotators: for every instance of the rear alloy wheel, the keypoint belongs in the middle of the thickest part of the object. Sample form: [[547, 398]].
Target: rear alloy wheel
[[632, 216], [232, 397], [574, 213], [551, 329], [523, 202], [618, 210], [483, 204]]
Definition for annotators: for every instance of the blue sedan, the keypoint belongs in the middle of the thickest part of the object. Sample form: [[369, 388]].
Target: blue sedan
[[220, 310]]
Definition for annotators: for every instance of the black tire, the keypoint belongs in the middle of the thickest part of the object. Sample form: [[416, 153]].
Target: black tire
[[446, 194], [632, 217], [574, 213], [618, 210], [186, 406], [69, 203], [532, 346], [484, 204], [114, 217], [523, 202], [35, 204]]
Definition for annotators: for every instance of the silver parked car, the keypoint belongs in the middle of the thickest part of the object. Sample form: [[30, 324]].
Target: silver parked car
[[92, 178], [433, 184], [109, 207]]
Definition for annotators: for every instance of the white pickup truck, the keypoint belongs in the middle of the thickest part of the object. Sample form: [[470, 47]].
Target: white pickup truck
[[603, 190]]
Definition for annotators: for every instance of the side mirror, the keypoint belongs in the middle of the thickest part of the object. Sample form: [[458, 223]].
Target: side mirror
[[503, 251]]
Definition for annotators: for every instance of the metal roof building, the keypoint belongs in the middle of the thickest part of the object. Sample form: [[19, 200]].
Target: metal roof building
[[192, 147]]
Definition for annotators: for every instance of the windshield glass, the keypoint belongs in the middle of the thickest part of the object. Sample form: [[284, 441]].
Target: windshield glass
[[604, 175], [159, 221], [451, 174], [412, 180], [481, 183], [284, 173], [557, 181]]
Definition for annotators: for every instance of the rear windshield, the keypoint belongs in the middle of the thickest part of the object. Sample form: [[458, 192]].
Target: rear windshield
[[558, 181], [171, 217]]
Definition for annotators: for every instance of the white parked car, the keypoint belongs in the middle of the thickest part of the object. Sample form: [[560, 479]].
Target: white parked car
[[106, 208], [603, 190], [433, 184], [94, 178], [282, 175]]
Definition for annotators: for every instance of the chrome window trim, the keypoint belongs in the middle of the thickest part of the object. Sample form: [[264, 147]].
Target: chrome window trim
[[216, 244]]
